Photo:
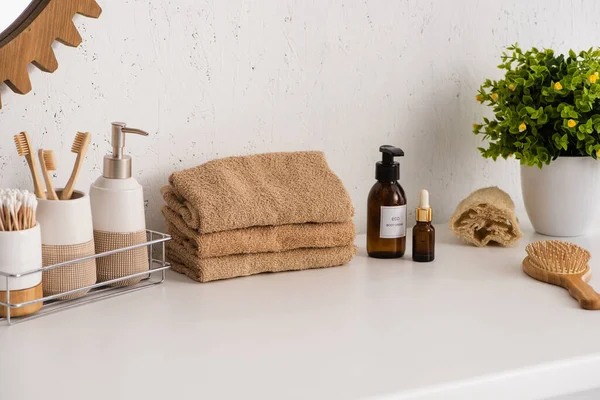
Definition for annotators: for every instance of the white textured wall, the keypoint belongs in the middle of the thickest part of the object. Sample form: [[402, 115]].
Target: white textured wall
[[211, 79]]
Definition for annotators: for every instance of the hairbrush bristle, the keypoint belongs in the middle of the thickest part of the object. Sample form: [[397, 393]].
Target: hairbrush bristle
[[79, 141], [49, 160], [558, 257], [22, 143]]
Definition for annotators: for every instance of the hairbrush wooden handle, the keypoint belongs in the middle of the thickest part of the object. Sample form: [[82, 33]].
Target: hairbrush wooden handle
[[582, 292]]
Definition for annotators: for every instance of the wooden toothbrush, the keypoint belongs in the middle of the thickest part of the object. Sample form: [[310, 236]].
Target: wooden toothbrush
[[24, 149], [48, 163], [80, 144]]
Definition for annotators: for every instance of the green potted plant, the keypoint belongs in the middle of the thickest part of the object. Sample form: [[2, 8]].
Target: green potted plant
[[547, 116]]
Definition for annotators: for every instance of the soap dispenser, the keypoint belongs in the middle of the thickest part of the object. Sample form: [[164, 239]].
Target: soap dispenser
[[386, 208], [118, 216]]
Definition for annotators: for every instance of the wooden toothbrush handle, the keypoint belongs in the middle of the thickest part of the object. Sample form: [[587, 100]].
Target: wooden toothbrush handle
[[37, 184], [68, 190], [49, 188], [582, 292]]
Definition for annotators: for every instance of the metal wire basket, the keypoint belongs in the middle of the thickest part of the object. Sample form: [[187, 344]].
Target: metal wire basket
[[98, 291]]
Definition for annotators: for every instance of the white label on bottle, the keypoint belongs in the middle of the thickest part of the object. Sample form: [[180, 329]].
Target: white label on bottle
[[393, 222]]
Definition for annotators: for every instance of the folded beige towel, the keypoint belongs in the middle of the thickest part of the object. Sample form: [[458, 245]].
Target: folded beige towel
[[260, 239], [486, 215], [258, 190], [210, 269]]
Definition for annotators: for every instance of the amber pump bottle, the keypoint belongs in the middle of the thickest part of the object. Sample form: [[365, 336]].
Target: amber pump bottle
[[423, 244], [386, 208]]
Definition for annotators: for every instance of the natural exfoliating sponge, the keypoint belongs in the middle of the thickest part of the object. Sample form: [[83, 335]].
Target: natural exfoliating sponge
[[487, 215]]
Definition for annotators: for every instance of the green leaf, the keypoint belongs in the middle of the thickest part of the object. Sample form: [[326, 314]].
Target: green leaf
[[531, 121]]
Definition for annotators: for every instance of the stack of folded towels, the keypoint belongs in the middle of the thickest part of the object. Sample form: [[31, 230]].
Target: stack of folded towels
[[270, 212]]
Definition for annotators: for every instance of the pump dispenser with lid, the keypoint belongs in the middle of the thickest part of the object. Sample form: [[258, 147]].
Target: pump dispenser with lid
[[386, 208], [118, 213]]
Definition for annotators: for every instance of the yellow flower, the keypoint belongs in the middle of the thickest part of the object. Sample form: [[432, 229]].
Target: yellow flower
[[557, 86], [479, 98], [571, 123], [494, 97], [593, 78], [476, 126], [511, 87], [596, 73], [511, 155], [522, 127], [598, 153]]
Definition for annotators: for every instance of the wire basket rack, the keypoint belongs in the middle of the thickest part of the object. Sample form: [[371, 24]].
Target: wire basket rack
[[98, 291]]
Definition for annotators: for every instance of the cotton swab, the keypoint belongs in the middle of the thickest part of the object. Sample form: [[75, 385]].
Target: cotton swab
[[17, 210]]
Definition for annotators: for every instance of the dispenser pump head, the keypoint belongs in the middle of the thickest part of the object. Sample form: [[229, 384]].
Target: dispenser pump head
[[117, 165], [388, 170]]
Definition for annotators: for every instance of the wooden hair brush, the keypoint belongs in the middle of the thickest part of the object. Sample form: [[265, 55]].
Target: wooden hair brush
[[563, 264]]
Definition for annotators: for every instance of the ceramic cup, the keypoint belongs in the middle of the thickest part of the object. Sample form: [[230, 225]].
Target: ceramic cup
[[21, 252], [67, 234]]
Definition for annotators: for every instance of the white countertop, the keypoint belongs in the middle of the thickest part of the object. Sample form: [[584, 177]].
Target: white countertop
[[470, 325]]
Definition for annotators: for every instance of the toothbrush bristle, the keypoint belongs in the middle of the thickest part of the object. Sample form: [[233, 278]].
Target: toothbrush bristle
[[79, 141], [22, 143], [49, 160]]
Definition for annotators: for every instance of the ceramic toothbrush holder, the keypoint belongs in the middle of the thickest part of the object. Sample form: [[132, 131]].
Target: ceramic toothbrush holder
[[21, 252], [67, 234]]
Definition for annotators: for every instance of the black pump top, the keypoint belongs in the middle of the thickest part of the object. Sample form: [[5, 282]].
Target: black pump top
[[388, 170]]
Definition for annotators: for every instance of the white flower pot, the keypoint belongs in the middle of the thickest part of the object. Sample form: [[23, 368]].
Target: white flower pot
[[562, 198]]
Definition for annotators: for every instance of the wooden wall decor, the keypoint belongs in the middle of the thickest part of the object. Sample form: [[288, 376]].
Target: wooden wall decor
[[31, 42]]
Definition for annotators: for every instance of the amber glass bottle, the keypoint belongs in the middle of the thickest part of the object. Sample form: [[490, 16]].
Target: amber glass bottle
[[386, 209], [423, 243]]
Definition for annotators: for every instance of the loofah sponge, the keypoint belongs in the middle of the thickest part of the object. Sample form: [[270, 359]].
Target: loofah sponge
[[487, 215]]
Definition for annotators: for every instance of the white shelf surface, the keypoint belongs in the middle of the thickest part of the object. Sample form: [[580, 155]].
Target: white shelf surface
[[469, 325]]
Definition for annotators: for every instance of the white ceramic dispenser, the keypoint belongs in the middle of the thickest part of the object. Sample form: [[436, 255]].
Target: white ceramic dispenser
[[118, 213]]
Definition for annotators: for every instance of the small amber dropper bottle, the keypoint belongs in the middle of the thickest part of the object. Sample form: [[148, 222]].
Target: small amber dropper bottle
[[423, 244]]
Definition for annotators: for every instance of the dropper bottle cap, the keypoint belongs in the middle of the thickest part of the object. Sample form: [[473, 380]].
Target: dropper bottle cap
[[423, 212]]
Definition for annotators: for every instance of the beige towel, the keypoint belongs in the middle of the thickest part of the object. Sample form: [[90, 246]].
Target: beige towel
[[486, 215], [260, 239], [258, 190], [210, 269]]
